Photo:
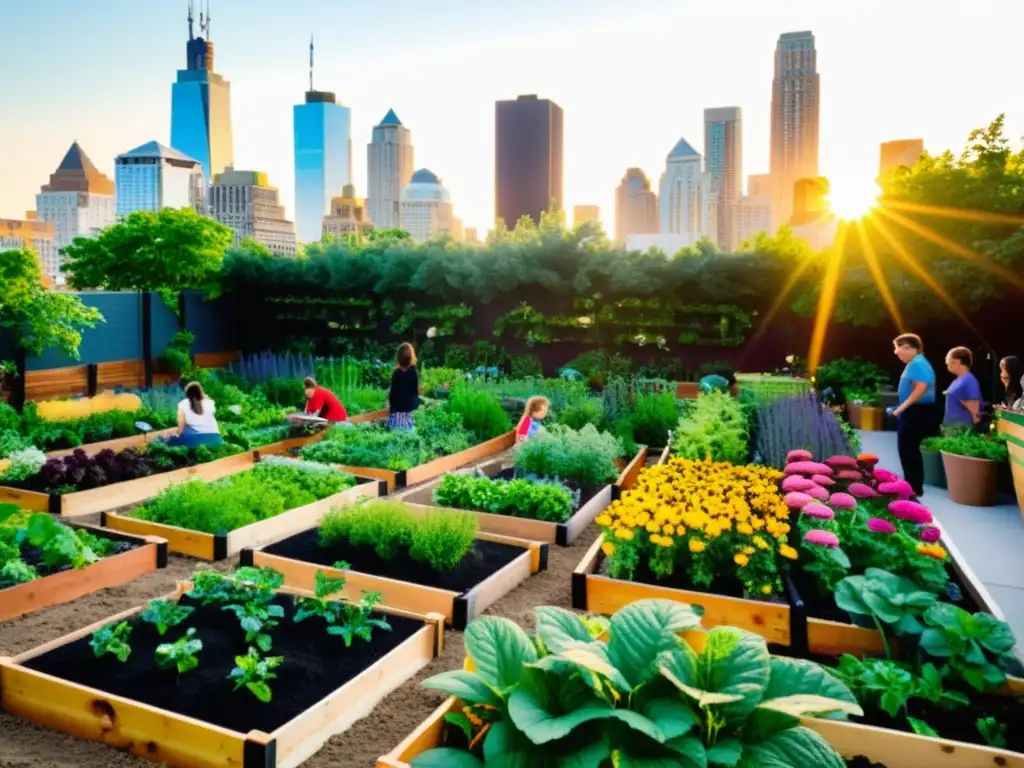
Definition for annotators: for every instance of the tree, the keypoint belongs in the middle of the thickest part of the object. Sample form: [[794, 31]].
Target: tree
[[39, 318], [165, 252]]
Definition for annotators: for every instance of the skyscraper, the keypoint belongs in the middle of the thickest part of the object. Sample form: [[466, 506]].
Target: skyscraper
[[29, 232], [323, 156], [153, 176], [245, 201], [759, 185], [201, 104], [79, 201], [904, 152], [795, 105], [347, 215], [528, 172], [687, 207], [389, 166], [723, 155], [583, 214], [427, 209], [636, 206]]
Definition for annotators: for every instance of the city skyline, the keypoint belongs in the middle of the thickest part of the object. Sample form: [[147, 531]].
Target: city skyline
[[612, 122]]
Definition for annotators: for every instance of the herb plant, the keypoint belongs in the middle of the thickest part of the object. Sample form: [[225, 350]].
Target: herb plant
[[246, 584], [343, 618], [254, 673], [112, 639], [517, 498], [442, 538], [586, 457], [714, 429], [992, 731], [181, 654], [165, 614]]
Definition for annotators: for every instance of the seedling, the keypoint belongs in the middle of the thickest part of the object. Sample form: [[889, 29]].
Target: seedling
[[112, 639], [992, 731], [358, 620], [257, 619], [181, 654], [245, 585], [253, 671], [163, 614], [324, 586]]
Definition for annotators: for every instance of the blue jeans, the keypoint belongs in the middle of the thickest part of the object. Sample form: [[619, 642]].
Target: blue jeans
[[189, 438]]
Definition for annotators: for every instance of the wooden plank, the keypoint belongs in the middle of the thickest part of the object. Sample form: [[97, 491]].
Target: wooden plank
[[56, 382], [379, 474], [498, 584], [28, 500], [627, 478], [282, 447], [427, 735], [370, 416], [117, 444], [445, 464], [124, 373], [832, 638], [305, 734], [70, 585], [586, 514], [181, 541], [216, 359], [666, 451]]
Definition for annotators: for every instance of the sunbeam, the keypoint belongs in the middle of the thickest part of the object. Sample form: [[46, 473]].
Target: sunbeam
[[961, 214], [827, 299], [879, 277]]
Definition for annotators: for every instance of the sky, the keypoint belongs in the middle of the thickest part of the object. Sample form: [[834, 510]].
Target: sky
[[632, 78]]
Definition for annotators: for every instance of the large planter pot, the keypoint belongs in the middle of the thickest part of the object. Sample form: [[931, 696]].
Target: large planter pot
[[687, 390], [971, 481], [871, 418], [934, 470]]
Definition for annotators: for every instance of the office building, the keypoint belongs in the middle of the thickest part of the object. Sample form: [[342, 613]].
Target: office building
[[201, 105], [902, 153], [427, 209], [471, 236], [153, 176], [636, 206], [245, 201], [528, 174], [810, 200], [389, 164], [347, 215], [584, 214], [723, 158], [759, 185], [796, 98], [323, 156], [753, 215], [687, 207], [39, 236], [78, 200]]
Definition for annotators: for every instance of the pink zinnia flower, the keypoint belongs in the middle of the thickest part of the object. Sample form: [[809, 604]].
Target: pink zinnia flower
[[842, 462], [817, 492], [823, 480], [850, 474], [822, 538], [797, 500], [842, 501], [884, 475], [818, 510], [930, 534], [878, 525], [798, 455], [910, 511], [899, 488], [808, 468], [862, 491], [796, 483]]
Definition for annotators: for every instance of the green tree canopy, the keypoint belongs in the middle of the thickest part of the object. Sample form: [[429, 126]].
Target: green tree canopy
[[166, 252], [39, 318]]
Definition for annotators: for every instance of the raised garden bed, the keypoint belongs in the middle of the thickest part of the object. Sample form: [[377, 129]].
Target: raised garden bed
[[196, 719], [295, 443], [123, 494], [631, 470], [132, 557], [493, 567], [117, 444], [218, 546]]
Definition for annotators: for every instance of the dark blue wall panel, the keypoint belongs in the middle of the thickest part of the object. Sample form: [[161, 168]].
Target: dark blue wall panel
[[8, 349], [119, 338], [165, 325], [211, 322]]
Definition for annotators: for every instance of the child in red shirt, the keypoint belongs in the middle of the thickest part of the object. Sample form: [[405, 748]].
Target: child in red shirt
[[323, 403], [530, 424]]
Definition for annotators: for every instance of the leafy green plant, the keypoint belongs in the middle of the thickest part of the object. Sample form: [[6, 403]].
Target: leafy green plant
[[714, 429], [255, 672], [257, 618], [112, 639], [586, 457], [323, 587], [988, 447], [442, 538], [992, 731], [343, 618], [890, 600], [977, 647], [165, 614], [547, 501], [654, 416], [247, 584], [384, 524], [178, 353], [525, 366], [481, 412], [358, 620], [181, 654], [889, 684], [850, 377]]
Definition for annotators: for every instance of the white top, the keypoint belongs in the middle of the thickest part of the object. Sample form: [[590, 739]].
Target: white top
[[204, 422]]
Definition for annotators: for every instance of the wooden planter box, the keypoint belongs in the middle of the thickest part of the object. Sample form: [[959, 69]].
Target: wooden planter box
[[210, 546], [629, 474], [295, 443], [1011, 424], [117, 444], [866, 417], [602, 594], [149, 555], [457, 609], [129, 492], [437, 467], [166, 737]]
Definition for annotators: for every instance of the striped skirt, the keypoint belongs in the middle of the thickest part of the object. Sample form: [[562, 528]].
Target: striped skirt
[[401, 421]]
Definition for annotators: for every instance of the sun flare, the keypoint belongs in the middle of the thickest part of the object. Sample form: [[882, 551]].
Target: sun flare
[[852, 199]]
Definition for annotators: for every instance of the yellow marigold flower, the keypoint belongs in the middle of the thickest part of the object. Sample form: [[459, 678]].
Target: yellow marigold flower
[[680, 530], [766, 589], [740, 559], [744, 528], [668, 530], [788, 552], [748, 550], [696, 545], [932, 550], [624, 533], [652, 527], [758, 523], [760, 543], [608, 548], [604, 520]]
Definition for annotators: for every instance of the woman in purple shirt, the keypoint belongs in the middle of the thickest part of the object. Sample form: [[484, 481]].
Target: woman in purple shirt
[[963, 398]]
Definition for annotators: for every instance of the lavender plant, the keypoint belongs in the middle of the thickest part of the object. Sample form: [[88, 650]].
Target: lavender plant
[[262, 367], [801, 421]]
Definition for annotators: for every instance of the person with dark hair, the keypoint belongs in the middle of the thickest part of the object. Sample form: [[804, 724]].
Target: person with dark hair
[[321, 402], [916, 413], [1011, 373], [404, 392], [963, 398], [196, 423]]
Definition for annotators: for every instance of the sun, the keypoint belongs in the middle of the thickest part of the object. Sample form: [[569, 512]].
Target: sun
[[853, 198]]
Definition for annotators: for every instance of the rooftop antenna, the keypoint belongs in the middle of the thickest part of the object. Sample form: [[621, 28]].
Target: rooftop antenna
[[204, 21], [311, 63], [208, 17], [190, 19]]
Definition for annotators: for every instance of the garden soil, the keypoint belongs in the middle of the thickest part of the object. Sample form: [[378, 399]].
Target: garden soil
[[23, 745]]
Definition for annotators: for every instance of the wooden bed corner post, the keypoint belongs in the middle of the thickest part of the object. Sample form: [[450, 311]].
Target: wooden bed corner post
[[260, 750]]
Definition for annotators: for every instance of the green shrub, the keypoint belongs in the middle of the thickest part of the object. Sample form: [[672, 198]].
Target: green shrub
[[481, 412], [178, 354], [850, 377], [287, 393], [973, 445], [516, 498], [525, 367], [442, 537], [598, 367], [586, 457], [433, 379], [715, 429], [577, 415], [654, 417], [383, 524]]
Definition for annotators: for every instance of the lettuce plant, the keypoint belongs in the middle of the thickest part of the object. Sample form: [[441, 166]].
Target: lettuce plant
[[642, 697], [517, 498], [977, 647]]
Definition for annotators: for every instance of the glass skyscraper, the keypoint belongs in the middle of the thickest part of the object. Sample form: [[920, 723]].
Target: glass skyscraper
[[323, 160], [201, 107]]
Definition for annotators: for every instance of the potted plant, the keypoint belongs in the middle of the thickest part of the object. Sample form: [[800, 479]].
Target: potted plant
[[864, 409], [972, 464], [934, 470]]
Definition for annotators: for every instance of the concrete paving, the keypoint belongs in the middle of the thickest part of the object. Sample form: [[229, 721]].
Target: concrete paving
[[990, 539]]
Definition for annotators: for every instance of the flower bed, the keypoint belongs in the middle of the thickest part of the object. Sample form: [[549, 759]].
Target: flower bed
[[44, 562], [705, 533], [212, 521], [420, 559], [225, 671]]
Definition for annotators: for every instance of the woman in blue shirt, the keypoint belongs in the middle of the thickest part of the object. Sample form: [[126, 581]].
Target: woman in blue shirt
[[916, 412], [963, 398]]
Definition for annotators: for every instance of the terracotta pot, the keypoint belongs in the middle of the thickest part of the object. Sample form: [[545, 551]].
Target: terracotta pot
[[934, 469], [687, 390], [971, 481], [853, 415], [871, 418]]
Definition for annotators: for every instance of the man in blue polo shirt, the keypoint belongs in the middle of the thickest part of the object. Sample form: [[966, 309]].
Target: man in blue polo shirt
[[917, 412]]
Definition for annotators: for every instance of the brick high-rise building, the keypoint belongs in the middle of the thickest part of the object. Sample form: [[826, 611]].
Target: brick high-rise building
[[636, 206], [528, 172]]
